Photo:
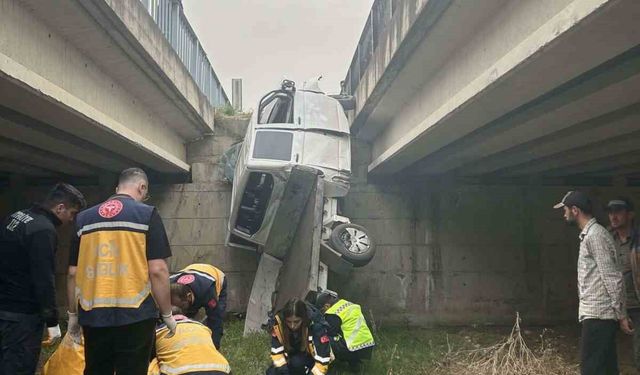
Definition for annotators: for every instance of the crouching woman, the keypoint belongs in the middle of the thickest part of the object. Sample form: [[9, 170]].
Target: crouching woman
[[299, 346]]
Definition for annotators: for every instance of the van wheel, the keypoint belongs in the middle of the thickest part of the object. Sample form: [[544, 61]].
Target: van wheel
[[354, 243]]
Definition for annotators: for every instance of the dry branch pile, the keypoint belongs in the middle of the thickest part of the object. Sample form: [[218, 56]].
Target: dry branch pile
[[509, 357]]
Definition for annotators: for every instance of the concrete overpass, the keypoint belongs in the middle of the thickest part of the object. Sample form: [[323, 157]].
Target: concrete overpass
[[89, 87], [499, 90]]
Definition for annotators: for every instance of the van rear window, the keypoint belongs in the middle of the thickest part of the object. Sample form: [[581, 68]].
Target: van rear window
[[273, 145]]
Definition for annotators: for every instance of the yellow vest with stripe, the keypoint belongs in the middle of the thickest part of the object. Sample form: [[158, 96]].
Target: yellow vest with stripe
[[355, 331], [112, 263], [210, 270], [189, 350]]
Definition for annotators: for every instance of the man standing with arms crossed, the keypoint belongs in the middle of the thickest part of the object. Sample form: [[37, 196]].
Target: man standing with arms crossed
[[600, 288], [117, 275]]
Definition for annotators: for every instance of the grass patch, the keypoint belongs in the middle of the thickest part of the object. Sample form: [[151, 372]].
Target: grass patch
[[399, 351]]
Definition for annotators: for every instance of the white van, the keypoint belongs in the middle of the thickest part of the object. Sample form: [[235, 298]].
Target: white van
[[295, 127]]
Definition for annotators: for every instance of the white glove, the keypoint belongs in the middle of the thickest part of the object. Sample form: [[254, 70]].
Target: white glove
[[53, 334], [73, 328], [170, 322]]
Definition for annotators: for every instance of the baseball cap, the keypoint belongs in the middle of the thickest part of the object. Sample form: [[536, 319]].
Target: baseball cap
[[575, 198], [620, 204], [325, 296]]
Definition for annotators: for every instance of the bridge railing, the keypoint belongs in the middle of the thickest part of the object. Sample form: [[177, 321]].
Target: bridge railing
[[170, 18], [379, 18]]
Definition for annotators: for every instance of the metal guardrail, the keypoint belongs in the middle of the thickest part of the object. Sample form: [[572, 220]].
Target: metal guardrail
[[170, 18], [379, 18]]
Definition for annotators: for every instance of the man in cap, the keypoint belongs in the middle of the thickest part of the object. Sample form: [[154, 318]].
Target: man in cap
[[621, 218], [600, 288]]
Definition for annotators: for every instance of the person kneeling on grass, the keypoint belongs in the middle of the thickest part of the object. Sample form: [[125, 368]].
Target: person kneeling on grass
[[190, 351], [202, 285], [351, 339], [299, 346]]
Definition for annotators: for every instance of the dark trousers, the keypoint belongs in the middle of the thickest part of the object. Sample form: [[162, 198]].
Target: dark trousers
[[634, 314], [20, 338], [124, 350], [215, 322], [342, 352], [297, 365], [598, 351]]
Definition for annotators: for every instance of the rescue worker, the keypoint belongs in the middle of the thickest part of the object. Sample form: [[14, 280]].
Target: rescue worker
[[28, 241], [351, 339], [299, 345], [189, 351], [202, 286], [119, 278], [621, 219]]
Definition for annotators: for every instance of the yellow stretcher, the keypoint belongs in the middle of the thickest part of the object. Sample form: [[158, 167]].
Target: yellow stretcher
[[68, 359]]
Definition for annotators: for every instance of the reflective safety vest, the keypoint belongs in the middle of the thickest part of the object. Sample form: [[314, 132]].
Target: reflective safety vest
[[207, 271], [355, 331], [112, 262], [189, 350]]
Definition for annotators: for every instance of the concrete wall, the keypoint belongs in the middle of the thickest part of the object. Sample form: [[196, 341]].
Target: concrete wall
[[467, 254], [450, 253]]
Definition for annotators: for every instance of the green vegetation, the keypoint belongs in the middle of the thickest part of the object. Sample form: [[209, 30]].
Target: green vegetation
[[400, 351], [227, 110]]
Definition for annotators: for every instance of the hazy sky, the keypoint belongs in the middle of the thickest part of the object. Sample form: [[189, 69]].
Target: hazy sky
[[263, 42]]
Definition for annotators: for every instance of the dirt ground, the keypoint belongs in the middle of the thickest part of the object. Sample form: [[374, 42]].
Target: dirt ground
[[566, 340]]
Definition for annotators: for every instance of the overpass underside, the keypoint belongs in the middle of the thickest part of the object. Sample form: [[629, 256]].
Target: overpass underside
[[90, 87], [502, 91]]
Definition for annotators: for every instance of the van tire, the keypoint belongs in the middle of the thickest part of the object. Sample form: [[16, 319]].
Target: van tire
[[354, 243]]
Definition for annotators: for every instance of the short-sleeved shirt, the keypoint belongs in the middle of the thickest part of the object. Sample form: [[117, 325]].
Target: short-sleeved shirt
[[157, 247]]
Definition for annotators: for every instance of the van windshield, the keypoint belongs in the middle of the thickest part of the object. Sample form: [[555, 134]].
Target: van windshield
[[276, 108]]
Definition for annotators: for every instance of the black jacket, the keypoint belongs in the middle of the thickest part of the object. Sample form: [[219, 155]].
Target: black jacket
[[28, 241]]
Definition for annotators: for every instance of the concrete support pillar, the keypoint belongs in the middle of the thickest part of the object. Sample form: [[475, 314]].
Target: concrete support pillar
[[428, 287]]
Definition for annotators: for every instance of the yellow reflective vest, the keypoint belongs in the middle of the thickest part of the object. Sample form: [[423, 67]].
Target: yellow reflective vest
[[189, 350], [112, 264], [354, 327]]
